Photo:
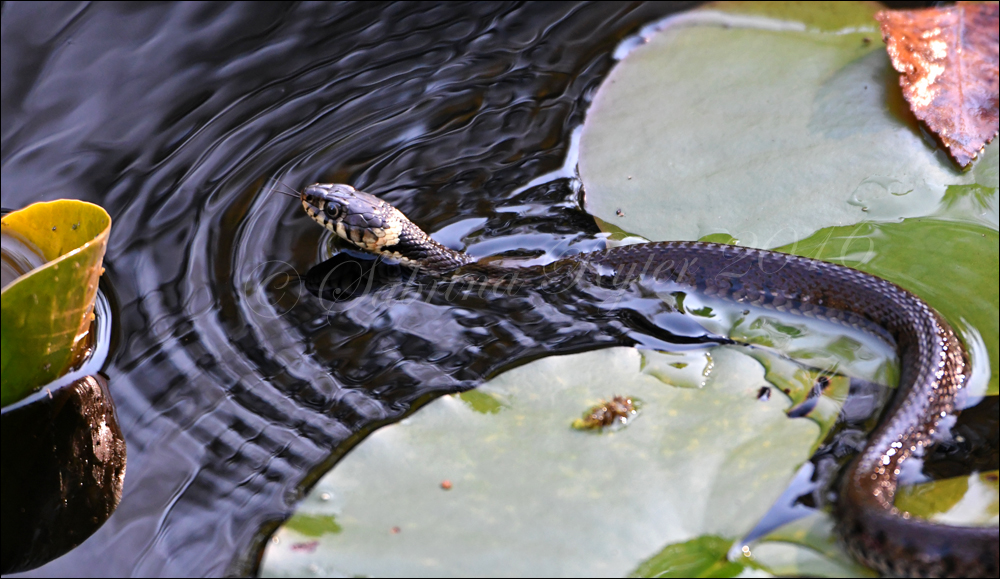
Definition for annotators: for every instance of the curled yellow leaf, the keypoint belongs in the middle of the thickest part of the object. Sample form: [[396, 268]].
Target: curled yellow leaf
[[46, 312]]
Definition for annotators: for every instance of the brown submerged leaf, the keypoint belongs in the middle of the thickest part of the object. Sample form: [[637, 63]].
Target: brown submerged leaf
[[948, 57]]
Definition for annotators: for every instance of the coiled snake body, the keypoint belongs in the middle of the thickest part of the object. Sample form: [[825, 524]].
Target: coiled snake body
[[934, 364]]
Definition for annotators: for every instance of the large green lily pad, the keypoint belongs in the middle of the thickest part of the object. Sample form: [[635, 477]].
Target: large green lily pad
[[762, 129], [46, 312], [530, 495]]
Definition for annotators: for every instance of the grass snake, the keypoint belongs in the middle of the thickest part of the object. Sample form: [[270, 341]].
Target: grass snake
[[934, 365]]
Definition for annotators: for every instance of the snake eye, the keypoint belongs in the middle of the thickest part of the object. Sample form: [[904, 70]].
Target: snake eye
[[332, 210]]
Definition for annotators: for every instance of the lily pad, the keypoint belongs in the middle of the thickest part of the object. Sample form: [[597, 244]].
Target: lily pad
[[531, 495], [762, 165], [702, 557], [46, 312], [763, 129]]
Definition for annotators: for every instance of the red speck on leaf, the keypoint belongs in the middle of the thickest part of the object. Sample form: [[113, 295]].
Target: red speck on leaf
[[305, 547]]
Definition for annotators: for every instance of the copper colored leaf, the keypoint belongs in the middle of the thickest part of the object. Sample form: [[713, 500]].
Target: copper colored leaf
[[948, 57]]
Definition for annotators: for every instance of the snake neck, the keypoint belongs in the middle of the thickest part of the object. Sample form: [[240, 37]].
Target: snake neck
[[416, 249]]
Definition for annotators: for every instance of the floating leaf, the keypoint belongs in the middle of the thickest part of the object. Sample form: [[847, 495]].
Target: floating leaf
[[949, 59], [818, 16], [313, 525], [806, 547], [758, 130], [46, 312], [702, 557], [537, 497]]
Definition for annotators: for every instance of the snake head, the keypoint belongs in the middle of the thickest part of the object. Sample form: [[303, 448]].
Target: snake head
[[359, 218]]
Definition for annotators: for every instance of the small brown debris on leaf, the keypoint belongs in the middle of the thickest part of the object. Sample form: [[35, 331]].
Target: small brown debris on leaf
[[616, 412], [948, 57]]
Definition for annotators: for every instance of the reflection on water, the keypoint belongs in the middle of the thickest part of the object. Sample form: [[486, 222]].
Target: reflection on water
[[18, 257], [64, 458], [177, 119]]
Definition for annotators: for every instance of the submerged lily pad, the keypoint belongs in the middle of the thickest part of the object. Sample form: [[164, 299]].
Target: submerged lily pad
[[530, 495], [966, 500], [952, 265], [47, 311]]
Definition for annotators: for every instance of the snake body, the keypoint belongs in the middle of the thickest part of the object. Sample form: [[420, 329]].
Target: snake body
[[934, 364]]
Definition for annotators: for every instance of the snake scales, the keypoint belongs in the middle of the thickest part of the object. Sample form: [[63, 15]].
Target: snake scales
[[934, 364]]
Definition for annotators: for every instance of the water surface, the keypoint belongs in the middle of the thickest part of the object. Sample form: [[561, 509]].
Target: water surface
[[177, 119]]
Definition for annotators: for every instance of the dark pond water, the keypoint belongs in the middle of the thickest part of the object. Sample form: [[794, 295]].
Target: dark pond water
[[236, 385], [234, 393]]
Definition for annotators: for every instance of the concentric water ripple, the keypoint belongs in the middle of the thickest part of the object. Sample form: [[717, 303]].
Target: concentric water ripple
[[236, 385]]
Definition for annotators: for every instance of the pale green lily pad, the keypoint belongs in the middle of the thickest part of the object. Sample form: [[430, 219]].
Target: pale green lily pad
[[821, 16], [765, 131], [773, 162], [531, 496], [47, 311]]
